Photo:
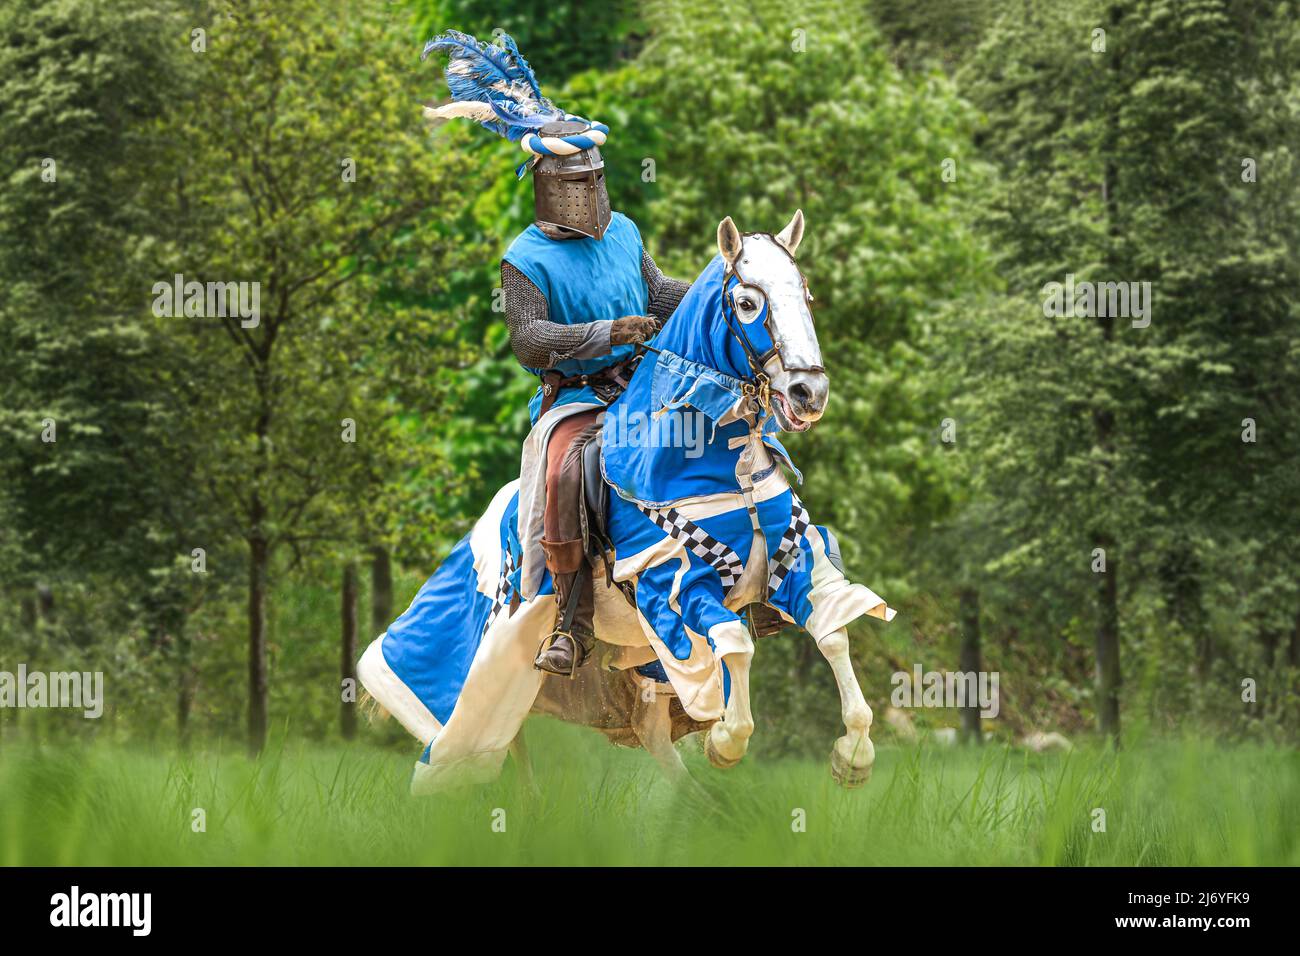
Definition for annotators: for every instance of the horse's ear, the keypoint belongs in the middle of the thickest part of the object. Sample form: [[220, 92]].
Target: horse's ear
[[729, 242], [792, 234]]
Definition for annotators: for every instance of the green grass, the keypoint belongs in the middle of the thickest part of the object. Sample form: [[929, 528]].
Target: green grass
[[1166, 804]]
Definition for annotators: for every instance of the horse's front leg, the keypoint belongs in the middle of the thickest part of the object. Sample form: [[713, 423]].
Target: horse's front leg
[[853, 754], [728, 739], [671, 611]]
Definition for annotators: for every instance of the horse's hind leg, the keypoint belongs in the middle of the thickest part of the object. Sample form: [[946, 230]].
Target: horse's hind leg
[[523, 764], [653, 726], [853, 754]]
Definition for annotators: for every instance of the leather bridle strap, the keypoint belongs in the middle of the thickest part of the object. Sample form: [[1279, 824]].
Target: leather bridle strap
[[758, 384]]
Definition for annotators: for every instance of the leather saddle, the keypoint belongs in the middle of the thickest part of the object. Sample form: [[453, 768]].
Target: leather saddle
[[595, 516], [595, 493]]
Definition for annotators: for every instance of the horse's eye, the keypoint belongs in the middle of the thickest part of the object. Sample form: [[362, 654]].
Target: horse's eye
[[747, 304]]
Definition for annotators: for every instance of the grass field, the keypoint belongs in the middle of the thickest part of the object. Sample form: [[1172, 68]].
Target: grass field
[[1164, 804]]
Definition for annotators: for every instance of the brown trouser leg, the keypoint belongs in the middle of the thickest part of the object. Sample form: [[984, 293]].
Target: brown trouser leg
[[562, 521]]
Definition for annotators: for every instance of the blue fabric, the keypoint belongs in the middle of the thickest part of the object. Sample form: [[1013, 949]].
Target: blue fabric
[[698, 331], [700, 595], [699, 366], [654, 670], [431, 646], [678, 382], [584, 280]]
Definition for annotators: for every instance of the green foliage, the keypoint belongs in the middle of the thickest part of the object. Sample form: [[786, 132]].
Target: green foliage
[[951, 159], [1126, 164], [559, 37], [80, 84], [340, 332], [98, 502]]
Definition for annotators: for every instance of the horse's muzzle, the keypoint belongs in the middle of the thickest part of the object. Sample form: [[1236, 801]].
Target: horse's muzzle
[[807, 392]]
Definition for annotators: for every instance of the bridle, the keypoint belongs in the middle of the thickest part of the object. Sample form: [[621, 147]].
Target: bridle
[[759, 384]]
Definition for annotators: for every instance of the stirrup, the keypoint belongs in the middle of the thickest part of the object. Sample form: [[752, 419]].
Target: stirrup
[[579, 657]]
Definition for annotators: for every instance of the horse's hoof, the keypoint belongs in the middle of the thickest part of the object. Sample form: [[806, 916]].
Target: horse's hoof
[[715, 758], [846, 775]]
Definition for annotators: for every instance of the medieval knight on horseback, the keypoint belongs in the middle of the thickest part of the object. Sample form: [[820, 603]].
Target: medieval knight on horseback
[[705, 547], [603, 296], [581, 293]]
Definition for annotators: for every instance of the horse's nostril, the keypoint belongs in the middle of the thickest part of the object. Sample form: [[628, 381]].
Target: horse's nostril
[[801, 394]]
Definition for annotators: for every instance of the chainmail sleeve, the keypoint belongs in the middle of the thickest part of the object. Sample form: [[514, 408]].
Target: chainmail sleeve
[[537, 341], [665, 293]]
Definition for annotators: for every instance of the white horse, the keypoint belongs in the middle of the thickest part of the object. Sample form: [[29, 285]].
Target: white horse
[[696, 536]]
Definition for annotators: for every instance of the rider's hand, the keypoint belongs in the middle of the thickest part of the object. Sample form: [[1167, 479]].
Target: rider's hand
[[633, 330]]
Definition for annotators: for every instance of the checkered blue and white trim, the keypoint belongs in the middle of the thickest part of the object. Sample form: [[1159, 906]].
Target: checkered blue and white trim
[[503, 588], [788, 551], [725, 560], [706, 547]]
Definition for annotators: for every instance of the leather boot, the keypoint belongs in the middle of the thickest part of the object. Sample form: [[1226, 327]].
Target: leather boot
[[567, 648]]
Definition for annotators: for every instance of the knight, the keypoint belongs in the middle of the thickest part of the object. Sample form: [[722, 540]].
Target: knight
[[581, 294]]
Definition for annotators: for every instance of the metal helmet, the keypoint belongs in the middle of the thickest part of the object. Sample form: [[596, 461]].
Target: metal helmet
[[569, 191]]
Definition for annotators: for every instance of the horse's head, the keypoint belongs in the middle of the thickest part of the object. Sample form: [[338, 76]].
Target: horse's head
[[769, 298]]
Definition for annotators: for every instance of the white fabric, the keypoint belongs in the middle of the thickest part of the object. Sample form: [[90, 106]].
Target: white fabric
[[532, 494], [393, 695], [835, 600]]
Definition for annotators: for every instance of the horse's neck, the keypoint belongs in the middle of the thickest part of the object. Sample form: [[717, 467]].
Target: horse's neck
[[698, 334]]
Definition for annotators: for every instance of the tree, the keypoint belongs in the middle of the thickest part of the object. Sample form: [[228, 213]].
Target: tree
[[99, 497], [1105, 446], [313, 184]]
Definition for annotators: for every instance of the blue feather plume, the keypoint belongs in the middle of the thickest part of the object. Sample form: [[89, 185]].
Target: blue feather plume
[[491, 84]]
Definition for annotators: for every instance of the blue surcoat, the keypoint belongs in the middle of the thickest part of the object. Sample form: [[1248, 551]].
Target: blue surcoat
[[583, 280]]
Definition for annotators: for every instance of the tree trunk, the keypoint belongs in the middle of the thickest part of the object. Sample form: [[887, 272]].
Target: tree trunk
[[259, 558], [257, 682], [1293, 654], [381, 591], [1104, 421], [969, 661], [184, 687], [1108, 671], [348, 713], [45, 596]]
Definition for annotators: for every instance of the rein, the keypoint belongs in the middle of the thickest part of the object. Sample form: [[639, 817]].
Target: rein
[[758, 385]]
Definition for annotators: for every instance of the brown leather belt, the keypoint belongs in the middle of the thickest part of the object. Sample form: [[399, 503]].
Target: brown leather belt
[[608, 383]]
